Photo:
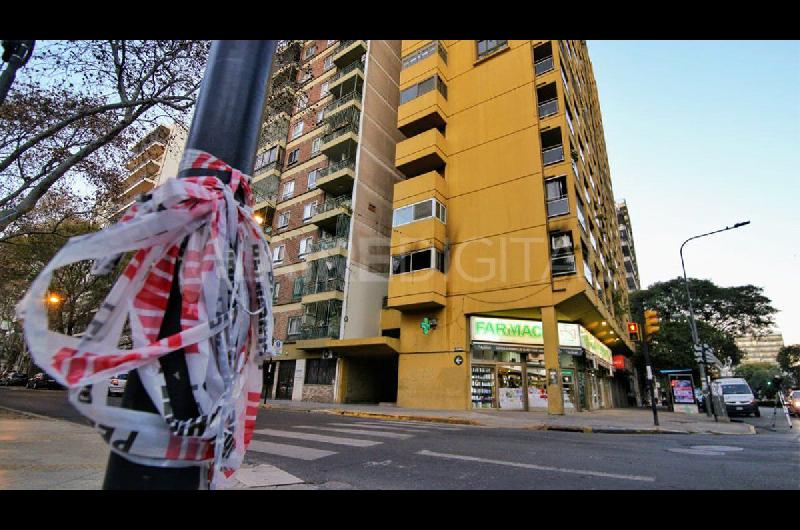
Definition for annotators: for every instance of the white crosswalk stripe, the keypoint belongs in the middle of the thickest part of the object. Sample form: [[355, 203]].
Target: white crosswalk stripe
[[318, 438], [289, 451], [395, 435], [423, 425], [379, 427]]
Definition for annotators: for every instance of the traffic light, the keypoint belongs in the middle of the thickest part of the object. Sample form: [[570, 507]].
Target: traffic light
[[651, 323], [633, 331]]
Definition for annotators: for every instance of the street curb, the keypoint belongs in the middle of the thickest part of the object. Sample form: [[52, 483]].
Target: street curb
[[359, 414]]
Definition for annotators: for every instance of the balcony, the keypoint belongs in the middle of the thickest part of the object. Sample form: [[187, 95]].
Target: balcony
[[326, 214], [139, 186], [349, 51], [152, 150], [340, 143], [337, 178], [265, 191], [423, 289], [543, 66], [146, 169], [348, 79], [421, 153], [324, 279], [344, 102], [548, 108], [428, 111], [335, 246]]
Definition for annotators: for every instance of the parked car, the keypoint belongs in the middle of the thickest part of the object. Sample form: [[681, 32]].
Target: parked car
[[700, 398], [737, 395], [117, 385], [793, 402], [42, 380], [15, 379]]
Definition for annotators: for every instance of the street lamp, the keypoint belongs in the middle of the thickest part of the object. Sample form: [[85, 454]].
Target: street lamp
[[695, 340], [54, 299]]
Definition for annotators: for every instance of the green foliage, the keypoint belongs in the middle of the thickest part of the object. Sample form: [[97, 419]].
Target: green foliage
[[759, 377], [721, 314], [789, 361]]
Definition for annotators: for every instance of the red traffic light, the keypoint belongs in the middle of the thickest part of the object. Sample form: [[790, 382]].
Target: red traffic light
[[633, 331]]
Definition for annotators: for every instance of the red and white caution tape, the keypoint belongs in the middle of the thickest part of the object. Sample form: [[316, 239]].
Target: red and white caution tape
[[225, 279]]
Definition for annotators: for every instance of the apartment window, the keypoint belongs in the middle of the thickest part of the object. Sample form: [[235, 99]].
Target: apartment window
[[564, 79], [297, 288], [587, 270], [276, 291], [278, 253], [302, 101], [320, 371], [547, 96], [415, 261], [310, 51], [308, 210], [305, 246], [269, 156], [552, 146], [320, 115], [297, 130], [328, 63], [423, 53], [293, 157], [288, 190], [312, 178], [294, 327], [488, 47], [423, 87], [323, 91], [418, 211], [543, 58], [557, 198], [562, 253], [579, 207], [283, 219]]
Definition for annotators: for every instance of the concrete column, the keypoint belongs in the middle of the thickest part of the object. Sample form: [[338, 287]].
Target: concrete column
[[299, 380], [555, 392]]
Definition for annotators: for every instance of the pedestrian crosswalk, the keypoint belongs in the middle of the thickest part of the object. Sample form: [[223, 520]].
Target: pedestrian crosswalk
[[360, 435]]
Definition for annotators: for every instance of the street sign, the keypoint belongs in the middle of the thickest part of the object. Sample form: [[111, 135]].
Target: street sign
[[458, 360]]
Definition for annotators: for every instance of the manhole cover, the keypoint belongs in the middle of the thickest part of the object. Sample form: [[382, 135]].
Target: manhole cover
[[696, 452], [722, 448]]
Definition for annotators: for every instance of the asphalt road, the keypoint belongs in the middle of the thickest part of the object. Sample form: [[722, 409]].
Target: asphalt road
[[339, 452]]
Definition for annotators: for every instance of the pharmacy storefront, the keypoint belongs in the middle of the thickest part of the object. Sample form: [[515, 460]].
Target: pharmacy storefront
[[508, 370]]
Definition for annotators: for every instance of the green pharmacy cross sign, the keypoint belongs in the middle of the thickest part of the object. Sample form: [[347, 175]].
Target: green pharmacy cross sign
[[427, 324]]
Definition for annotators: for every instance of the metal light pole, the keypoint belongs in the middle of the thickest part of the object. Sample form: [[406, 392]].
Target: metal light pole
[[16, 53], [695, 339], [227, 124]]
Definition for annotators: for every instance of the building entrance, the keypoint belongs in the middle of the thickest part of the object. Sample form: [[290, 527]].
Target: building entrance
[[285, 380]]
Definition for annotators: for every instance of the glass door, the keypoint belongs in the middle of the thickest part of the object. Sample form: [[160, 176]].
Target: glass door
[[510, 387], [568, 382], [537, 386], [483, 387]]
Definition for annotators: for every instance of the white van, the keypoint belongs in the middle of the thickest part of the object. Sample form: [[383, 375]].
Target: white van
[[737, 394]]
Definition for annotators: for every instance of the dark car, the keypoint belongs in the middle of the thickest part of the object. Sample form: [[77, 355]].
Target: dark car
[[15, 379], [42, 380]]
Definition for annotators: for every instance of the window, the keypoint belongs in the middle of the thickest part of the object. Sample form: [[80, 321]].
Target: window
[[293, 157], [268, 157], [488, 47], [564, 79], [562, 253], [331, 42], [323, 91], [420, 210], [557, 198], [320, 115], [283, 219], [312, 178], [320, 371], [310, 51], [276, 291], [587, 270], [305, 245], [308, 210], [316, 145], [277, 253], [294, 327], [423, 87], [297, 288], [288, 190], [302, 101], [420, 260], [423, 53], [581, 216], [297, 130], [328, 63]]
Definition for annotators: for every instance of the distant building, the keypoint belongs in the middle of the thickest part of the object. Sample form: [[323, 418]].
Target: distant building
[[760, 349], [154, 158], [628, 249]]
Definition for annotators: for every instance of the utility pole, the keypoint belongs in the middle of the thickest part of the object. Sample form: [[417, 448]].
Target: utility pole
[[16, 53], [649, 369], [227, 124], [704, 378]]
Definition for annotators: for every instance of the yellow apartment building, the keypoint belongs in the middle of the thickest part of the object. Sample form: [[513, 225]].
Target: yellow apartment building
[[506, 284]]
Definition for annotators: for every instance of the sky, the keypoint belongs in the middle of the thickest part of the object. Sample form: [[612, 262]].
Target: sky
[[701, 135]]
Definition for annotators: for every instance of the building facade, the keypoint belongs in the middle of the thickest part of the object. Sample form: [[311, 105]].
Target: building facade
[[760, 349], [483, 266], [154, 158], [628, 248]]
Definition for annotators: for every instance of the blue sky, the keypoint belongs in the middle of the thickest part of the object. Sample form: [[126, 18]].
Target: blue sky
[[701, 135]]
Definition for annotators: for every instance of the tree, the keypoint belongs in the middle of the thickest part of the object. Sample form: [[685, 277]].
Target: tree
[[759, 377], [721, 314], [73, 112], [789, 361]]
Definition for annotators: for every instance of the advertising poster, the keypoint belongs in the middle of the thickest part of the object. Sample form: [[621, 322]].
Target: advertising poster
[[682, 391], [537, 397], [511, 398]]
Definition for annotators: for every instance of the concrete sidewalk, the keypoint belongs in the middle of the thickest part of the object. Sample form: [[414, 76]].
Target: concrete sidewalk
[[610, 421]]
